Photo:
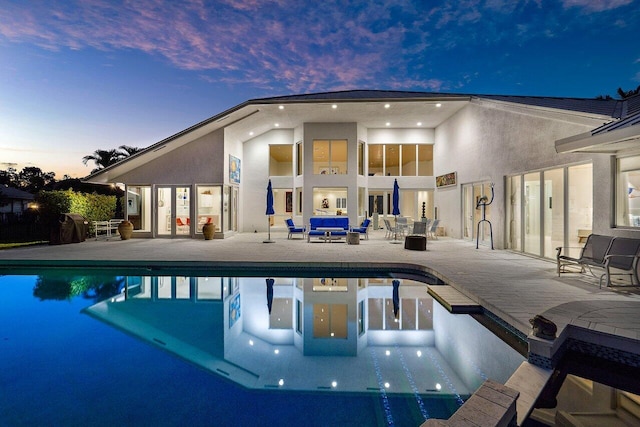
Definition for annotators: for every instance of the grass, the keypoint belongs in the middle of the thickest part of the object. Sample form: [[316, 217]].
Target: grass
[[20, 244]]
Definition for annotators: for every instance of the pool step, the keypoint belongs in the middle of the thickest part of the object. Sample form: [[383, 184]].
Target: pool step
[[453, 300]]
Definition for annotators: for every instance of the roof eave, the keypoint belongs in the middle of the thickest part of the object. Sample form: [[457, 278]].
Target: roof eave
[[608, 142]]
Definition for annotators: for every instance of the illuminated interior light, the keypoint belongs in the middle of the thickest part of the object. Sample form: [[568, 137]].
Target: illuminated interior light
[[250, 342], [388, 124], [388, 353], [332, 334], [438, 105], [277, 125], [419, 353], [251, 133], [334, 106], [419, 123], [281, 107], [276, 351], [387, 385], [387, 105], [334, 384], [281, 382], [438, 386]]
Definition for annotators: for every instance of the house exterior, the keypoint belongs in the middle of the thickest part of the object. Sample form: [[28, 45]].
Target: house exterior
[[558, 167], [13, 203]]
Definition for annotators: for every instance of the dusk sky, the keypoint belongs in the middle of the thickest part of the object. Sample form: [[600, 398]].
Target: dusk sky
[[82, 75]]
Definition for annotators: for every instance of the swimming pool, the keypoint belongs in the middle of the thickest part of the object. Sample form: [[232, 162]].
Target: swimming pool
[[192, 349]]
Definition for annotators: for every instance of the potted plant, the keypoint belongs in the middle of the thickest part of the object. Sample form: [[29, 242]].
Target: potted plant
[[125, 229], [208, 230]]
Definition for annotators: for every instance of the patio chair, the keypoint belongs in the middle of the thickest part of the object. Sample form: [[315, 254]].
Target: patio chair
[[295, 230], [363, 229], [419, 228], [432, 230], [389, 230]]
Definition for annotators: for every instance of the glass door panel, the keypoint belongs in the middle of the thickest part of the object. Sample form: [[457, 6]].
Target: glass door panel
[[580, 209], [532, 225], [468, 212], [164, 213], [553, 211], [183, 211], [514, 213]]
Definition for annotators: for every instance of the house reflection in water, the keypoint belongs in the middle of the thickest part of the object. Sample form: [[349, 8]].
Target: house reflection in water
[[327, 333]]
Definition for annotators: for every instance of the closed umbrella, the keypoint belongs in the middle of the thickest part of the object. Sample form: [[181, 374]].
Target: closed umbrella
[[396, 209], [270, 294], [396, 298], [269, 211]]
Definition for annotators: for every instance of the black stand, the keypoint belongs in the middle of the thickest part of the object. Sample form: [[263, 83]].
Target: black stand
[[482, 203]]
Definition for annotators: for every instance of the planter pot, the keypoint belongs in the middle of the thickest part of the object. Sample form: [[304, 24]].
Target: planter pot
[[208, 230], [125, 228]]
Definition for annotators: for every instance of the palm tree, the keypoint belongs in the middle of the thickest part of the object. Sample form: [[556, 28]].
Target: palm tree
[[129, 151], [103, 158]]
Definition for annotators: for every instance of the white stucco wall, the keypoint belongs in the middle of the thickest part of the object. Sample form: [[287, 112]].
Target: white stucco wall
[[484, 142], [195, 163], [255, 177]]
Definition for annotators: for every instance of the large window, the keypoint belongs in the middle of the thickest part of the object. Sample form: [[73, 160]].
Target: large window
[[401, 160], [330, 201], [628, 192], [330, 157], [209, 204], [281, 160], [139, 207], [299, 157], [550, 208]]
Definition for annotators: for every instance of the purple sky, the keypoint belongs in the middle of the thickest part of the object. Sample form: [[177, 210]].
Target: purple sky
[[81, 75]]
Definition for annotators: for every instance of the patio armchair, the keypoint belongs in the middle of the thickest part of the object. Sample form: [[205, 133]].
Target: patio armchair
[[420, 228], [363, 229], [295, 230], [433, 229]]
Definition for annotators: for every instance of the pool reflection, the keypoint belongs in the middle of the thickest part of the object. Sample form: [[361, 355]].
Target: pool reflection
[[334, 333]]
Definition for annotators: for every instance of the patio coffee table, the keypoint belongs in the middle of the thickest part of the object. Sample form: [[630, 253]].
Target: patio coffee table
[[328, 231]]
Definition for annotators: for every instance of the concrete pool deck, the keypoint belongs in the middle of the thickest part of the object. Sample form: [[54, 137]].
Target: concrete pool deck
[[512, 286]]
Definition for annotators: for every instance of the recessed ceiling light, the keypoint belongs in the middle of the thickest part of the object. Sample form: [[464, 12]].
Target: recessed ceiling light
[[277, 125], [251, 133], [388, 124], [438, 105], [280, 382], [387, 105], [419, 123], [281, 107], [334, 384], [334, 106]]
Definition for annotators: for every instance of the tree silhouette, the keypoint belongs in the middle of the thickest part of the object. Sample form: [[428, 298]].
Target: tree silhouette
[[127, 150], [629, 93], [103, 158]]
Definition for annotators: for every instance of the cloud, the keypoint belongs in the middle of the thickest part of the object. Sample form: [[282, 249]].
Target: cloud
[[301, 46], [595, 5]]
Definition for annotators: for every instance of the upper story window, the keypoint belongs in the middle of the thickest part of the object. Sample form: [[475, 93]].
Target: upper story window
[[628, 192], [299, 157], [281, 160], [330, 157], [401, 160]]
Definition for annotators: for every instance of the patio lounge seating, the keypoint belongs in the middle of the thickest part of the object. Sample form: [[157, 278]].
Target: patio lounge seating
[[614, 255], [319, 224], [363, 229], [294, 230]]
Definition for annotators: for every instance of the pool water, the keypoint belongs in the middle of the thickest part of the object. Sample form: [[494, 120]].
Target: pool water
[[195, 350]]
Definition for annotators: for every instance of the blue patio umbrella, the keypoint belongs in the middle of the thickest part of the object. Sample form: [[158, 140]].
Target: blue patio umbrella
[[270, 210], [270, 283], [396, 208]]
